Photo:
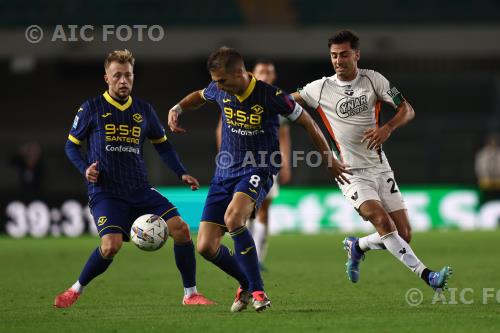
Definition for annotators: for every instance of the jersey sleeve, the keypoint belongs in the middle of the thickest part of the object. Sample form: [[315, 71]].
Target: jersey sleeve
[[283, 104], [385, 91], [155, 131], [81, 125], [311, 93], [210, 93]]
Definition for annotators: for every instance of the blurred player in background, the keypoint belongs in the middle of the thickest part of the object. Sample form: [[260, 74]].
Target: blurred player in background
[[250, 110], [29, 163], [349, 103], [115, 127], [487, 165], [264, 70]]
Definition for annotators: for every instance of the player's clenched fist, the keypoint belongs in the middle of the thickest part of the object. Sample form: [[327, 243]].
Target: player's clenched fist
[[92, 172]]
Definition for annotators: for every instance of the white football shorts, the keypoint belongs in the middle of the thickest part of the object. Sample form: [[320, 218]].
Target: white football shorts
[[373, 184]]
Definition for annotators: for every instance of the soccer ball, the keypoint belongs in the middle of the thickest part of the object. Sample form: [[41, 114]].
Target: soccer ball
[[149, 232]]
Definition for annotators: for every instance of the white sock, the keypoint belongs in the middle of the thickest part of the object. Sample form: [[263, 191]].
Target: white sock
[[371, 242], [402, 250], [77, 287], [260, 238], [190, 291], [250, 225]]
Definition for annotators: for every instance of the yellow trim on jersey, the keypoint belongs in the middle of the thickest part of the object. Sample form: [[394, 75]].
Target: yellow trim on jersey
[[254, 200], [160, 140], [202, 94], [171, 209], [113, 226], [74, 140], [248, 91], [217, 224], [117, 105]]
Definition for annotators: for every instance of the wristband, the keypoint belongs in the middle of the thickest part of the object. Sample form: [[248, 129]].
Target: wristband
[[177, 108]]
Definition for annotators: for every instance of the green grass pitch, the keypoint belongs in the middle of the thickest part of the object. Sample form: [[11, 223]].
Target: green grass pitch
[[306, 281]]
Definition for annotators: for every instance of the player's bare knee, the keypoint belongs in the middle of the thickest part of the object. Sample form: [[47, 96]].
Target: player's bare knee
[[234, 220], [206, 250], [180, 231], [110, 248], [382, 223]]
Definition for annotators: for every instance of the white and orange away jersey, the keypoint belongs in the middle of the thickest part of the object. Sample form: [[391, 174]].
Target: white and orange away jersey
[[348, 108]]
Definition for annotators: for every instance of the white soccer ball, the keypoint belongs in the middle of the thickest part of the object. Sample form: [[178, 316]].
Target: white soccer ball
[[149, 232]]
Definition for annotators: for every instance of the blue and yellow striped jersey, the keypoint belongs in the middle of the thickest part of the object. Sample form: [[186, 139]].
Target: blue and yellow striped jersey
[[115, 134], [250, 124]]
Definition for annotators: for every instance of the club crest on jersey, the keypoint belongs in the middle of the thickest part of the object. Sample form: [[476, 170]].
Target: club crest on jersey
[[257, 109], [137, 118], [348, 91], [351, 106]]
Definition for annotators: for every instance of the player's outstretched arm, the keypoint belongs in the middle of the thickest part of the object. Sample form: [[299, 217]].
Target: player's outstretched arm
[[337, 168], [298, 99], [170, 157], [375, 137], [191, 102], [285, 148]]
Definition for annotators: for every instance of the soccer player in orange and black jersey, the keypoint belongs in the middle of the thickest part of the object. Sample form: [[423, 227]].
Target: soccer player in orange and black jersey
[[115, 126]]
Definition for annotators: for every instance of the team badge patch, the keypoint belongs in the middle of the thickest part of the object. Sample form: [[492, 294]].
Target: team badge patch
[[257, 109], [137, 118]]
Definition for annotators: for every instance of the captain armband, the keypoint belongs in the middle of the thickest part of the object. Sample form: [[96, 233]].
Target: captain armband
[[396, 95], [297, 111]]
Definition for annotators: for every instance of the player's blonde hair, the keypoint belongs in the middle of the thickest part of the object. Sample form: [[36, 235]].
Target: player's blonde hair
[[120, 56]]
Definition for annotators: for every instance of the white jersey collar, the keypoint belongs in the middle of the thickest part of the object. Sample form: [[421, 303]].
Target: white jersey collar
[[344, 83]]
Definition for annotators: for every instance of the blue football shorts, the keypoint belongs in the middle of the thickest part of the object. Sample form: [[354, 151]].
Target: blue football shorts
[[255, 184], [114, 214]]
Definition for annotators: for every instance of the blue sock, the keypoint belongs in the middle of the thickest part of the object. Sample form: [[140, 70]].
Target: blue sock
[[246, 255], [186, 263], [96, 265], [225, 260]]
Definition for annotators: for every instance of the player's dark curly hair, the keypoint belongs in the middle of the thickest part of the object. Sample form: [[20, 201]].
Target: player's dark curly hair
[[345, 36], [224, 58]]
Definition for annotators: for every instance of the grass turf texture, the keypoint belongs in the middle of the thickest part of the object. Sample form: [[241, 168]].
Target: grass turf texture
[[306, 281]]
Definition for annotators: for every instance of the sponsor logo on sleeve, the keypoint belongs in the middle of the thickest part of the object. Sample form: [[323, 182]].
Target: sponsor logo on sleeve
[[393, 92]]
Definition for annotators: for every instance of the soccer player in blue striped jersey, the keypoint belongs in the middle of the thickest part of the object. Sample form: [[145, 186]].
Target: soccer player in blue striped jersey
[[115, 126], [249, 157]]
